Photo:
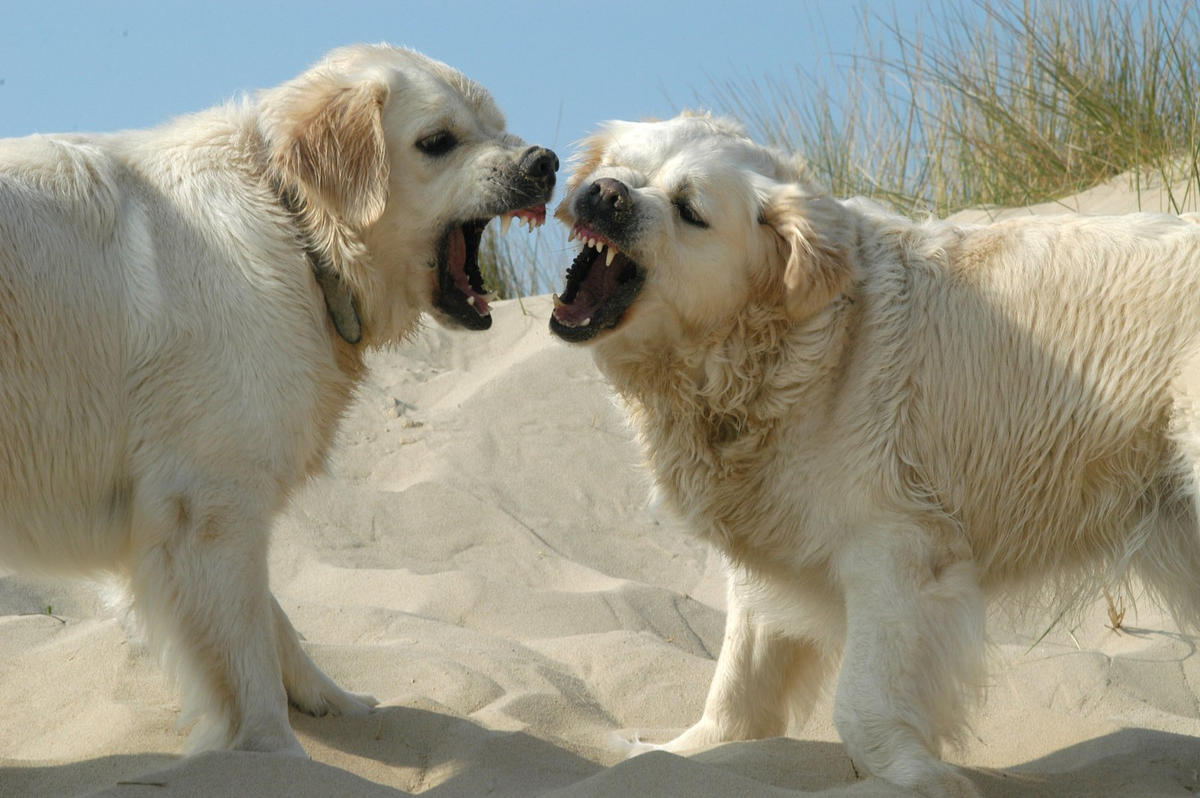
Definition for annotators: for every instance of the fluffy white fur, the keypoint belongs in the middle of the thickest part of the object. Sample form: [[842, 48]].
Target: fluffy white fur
[[169, 373], [880, 422]]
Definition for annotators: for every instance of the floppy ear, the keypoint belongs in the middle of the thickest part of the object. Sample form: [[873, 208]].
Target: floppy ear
[[328, 139], [814, 239]]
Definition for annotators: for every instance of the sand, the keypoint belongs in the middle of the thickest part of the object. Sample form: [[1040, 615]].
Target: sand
[[481, 558]]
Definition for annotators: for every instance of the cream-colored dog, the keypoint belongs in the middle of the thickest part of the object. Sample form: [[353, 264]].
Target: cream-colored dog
[[183, 313], [880, 422]]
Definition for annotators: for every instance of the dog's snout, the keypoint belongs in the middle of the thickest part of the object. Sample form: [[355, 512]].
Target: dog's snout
[[540, 163], [607, 198]]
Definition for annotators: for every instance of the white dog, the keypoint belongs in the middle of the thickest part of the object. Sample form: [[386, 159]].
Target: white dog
[[879, 422], [183, 313]]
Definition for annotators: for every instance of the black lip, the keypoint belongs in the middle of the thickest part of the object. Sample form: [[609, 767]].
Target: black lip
[[611, 312]]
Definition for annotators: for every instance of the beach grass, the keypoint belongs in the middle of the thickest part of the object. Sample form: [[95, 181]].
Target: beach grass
[[1003, 104], [522, 263]]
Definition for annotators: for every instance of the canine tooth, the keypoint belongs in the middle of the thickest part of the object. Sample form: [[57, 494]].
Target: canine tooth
[[558, 303], [505, 221], [571, 237], [612, 253], [470, 300], [586, 322]]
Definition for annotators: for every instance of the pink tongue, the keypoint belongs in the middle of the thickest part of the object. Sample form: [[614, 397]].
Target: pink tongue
[[458, 251]]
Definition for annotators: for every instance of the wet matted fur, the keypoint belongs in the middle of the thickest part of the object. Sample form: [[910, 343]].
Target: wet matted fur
[[182, 317], [881, 422]]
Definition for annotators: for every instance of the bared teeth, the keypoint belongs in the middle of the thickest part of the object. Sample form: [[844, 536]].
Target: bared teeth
[[470, 300], [612, 253], [524, 219], [599, 246], [558, 303], [586, 322], [571, 237]]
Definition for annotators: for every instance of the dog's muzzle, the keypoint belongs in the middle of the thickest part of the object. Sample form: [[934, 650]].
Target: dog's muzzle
[[603, 281], [460, 294]]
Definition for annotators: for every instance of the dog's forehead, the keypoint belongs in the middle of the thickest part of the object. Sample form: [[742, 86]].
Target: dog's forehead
[[448, 94], [682, 149]]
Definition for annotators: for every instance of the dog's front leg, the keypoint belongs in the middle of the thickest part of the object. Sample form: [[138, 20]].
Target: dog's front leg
[[913, 655], [762, 679]]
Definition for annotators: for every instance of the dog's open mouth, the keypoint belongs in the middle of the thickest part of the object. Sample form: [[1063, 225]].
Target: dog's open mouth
[[461, 294], [602, 283]]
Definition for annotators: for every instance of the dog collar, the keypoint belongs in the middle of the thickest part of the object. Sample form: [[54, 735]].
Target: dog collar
[[339, 299]]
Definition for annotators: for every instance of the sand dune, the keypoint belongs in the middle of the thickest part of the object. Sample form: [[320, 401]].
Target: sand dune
[[481, 558]]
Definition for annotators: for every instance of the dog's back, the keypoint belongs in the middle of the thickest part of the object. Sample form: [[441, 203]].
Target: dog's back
[[1053, 368]]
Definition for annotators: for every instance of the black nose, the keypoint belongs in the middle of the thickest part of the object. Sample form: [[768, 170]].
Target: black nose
[[607, 199], [540, 163]]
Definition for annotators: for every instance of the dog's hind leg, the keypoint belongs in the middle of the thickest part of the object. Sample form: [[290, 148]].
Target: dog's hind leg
[[308, 688], [913, 656], [200, 587]]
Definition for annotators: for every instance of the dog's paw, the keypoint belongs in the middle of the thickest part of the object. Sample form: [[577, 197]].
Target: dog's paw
[[629, 748], [328, 702], [355, 705], [295, 749]]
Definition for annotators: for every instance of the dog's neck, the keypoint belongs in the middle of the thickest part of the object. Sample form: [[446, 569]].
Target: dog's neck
[[741, 377], [339, 299]]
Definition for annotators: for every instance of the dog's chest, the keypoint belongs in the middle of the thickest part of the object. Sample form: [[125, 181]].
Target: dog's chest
[[731, 484]]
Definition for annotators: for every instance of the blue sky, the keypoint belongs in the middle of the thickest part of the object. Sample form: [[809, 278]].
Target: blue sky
[[557, 69]]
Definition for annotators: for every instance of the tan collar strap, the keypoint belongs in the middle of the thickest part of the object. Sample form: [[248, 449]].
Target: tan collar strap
[[339, 299]]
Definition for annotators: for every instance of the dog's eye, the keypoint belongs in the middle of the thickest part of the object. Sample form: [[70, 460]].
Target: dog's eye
[[439, 143], [688, 215]]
